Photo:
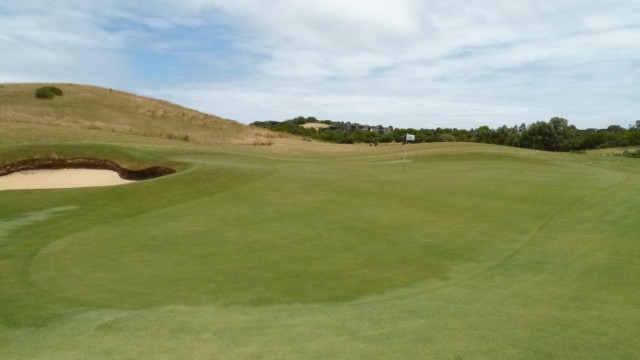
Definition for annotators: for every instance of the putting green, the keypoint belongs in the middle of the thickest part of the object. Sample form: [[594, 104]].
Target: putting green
[[473, 252], [307, 232]]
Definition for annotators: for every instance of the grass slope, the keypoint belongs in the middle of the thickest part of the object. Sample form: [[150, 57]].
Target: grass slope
[[312, 251], [95, 108]]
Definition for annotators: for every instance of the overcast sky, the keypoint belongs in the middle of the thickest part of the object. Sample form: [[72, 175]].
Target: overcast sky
[[405, 63]]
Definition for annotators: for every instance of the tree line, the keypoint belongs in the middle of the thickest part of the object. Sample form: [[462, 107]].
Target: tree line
[[553, 135]]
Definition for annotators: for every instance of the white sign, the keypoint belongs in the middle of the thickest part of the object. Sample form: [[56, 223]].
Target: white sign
[[411, 137]]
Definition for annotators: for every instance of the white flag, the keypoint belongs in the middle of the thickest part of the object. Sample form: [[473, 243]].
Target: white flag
[[411, 137]]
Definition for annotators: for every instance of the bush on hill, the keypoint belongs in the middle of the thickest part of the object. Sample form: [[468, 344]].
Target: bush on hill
[[48, 92]]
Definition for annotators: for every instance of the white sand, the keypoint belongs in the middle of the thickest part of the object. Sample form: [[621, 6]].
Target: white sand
[[60, 179]]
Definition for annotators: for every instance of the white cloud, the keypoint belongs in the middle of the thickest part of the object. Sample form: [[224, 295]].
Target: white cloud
[[56, 44], [452, 62]]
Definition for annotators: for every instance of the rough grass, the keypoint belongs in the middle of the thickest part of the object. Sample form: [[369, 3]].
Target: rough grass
[[101, 109], [300, 250]]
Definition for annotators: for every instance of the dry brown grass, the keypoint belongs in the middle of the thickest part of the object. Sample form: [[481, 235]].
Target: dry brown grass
[[94, 108]]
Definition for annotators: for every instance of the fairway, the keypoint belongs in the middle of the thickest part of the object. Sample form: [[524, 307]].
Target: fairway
[[304, 250]]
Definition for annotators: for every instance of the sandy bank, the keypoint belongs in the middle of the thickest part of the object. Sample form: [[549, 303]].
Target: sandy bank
[[60, 179]]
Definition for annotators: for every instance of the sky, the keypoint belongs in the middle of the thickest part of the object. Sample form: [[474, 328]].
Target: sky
[[404, 63]]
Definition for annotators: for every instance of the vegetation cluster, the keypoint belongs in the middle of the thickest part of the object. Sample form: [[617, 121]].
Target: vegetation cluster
[[48, 92], [553, 135]]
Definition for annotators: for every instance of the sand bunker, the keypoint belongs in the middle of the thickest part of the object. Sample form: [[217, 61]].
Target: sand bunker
[[62, 173], [60, 179]]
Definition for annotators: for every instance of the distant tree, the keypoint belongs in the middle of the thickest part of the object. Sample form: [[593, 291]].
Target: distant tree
[[507, 136], [447, 138], [461, 134], [615, 129], [347, 138], [48, 92], [386, 138], [555, 135], [591, 139], [483, 134], [300, 120], [537, 136], [565, 136], [633, 135]]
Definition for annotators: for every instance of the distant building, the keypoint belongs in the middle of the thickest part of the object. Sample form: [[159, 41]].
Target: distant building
[[358, 127], [381, 129]]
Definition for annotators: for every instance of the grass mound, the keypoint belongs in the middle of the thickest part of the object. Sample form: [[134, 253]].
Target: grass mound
[[94, 108]]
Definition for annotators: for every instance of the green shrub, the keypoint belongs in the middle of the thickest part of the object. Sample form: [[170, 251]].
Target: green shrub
[[48, 92], [631, 154]]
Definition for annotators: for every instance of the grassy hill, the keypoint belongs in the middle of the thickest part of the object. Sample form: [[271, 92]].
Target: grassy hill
[[94, 108], [309, 250]]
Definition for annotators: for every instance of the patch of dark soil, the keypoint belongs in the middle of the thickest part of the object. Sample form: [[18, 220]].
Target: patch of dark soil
[[84, 163]]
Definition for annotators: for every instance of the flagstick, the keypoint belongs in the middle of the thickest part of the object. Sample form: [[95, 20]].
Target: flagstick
[[404, 162]]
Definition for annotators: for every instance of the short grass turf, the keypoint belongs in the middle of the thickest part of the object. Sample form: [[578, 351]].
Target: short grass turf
[[473, 252]]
